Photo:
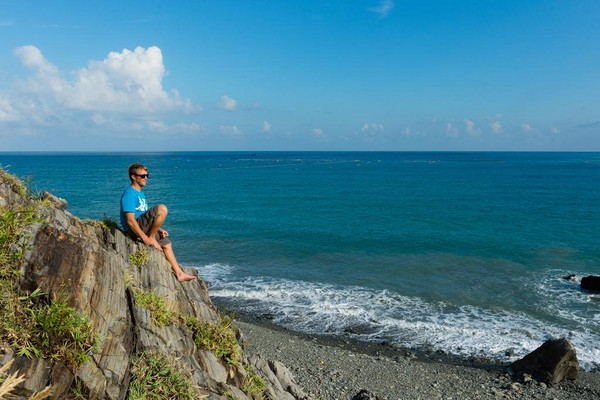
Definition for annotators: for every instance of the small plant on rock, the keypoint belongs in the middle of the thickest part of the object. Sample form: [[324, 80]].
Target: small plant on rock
[[156, 377], [157, 305], [139, 258], [219, 338], [254, 385]]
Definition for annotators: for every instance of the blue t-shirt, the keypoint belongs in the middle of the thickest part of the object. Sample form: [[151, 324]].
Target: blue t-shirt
[[132, 201]]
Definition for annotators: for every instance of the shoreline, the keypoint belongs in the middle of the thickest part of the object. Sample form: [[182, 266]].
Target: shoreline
[[328, 367]]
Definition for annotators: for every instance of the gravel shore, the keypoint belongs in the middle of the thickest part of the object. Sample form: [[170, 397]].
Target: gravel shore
[[330, 368]]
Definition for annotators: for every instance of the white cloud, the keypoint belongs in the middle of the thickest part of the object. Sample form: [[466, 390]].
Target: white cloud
[[128, 82], [527, 128], [372, 128], [317, 132], [227, 103], [451, 130], [495, 124], [554, 129], [470, 128], [406, 132], [6, 23], [7, 112], [99, 119], [230, 130], [266, 127], [383, 8]]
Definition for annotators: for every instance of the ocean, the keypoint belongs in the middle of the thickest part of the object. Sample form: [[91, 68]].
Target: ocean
[[463, 253]]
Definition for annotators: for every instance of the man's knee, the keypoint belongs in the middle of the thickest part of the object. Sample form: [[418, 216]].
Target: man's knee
[[162, 210]]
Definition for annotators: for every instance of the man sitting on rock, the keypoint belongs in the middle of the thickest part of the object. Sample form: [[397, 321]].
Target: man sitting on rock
[[146, 224]]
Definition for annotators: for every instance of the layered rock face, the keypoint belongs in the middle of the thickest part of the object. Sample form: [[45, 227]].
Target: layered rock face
[[91, 266]]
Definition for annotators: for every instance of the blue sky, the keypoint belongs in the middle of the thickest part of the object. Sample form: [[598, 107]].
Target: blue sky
[[299, 75]]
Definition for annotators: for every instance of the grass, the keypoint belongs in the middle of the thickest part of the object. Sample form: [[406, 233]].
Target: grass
[[156, 377], [62, 334], [139, 258], [29, 325], [254, 385], [106, 223], [218, 338], [159, 310]]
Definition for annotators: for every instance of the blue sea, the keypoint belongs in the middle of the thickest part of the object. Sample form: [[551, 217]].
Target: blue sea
[[457, 252]]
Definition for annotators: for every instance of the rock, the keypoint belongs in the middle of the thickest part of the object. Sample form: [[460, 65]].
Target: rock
[[552, 362], [591, 282], [57, 202], [364, 395], [90, 266], [570, 277]]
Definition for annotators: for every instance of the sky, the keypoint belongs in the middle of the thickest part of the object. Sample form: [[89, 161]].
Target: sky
[[300, 75]]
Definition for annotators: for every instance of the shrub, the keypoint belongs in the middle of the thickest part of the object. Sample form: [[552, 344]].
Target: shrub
[[219, 338], [159, 310], [139, 258], [154, 376]]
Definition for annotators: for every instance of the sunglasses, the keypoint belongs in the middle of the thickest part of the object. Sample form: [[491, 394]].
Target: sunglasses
[[143, 175]]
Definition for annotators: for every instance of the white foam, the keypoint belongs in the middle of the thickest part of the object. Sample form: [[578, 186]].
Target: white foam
[[405, 321]]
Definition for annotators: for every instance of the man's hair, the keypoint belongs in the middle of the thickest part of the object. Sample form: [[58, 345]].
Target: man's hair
[[134, 167]]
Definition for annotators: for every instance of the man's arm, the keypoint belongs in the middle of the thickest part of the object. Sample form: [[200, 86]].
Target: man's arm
[[135, 227]]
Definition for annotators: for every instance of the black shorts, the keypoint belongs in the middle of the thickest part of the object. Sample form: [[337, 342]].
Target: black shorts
[[145, 222]]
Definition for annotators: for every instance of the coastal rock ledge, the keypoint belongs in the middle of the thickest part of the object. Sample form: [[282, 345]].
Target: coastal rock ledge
[[91, 267]]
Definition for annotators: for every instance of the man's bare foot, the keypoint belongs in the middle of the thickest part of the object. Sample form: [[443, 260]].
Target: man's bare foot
[[183, 277]]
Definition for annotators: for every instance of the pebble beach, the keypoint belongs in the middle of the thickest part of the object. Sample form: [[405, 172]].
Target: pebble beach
[[335, 368]]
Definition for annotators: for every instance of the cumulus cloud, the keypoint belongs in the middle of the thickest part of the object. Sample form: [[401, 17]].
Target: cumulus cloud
[[470, 128], [495, 124], [526, 128], [230, 130], [383, 8], [126, 81], [7, 112], [227, 103], [372, 128], [266, 127], [451, 130], [317, 132]]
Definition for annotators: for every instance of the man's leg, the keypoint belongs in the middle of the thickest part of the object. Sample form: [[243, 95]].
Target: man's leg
[[179, 273], [159, 219]]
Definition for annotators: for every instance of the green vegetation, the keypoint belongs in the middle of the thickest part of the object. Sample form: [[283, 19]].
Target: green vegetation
[[139, 258], [106, 223], [15, 183], [62, 334], [154, 376], [157, 305], [218, 338], [254, 385], [35, 328]]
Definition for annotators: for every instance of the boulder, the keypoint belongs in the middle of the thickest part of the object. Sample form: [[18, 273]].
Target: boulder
[[591, 282], [365, 395], [551, 363], [89, 264]]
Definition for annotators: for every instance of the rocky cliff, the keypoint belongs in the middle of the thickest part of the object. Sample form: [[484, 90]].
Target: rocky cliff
[[146, 325]]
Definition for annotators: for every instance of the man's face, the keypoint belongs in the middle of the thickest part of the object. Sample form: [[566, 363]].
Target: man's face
[[140, 177]]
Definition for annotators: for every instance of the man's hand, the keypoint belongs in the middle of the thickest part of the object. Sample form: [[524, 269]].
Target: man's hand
[[153, 243], [162, 233]]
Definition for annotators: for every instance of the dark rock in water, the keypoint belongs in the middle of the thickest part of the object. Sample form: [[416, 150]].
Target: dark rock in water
[[591, 283], [365, 395], [569, 277], [552, 362]]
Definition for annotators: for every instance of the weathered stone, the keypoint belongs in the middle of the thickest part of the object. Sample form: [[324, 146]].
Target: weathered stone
[[591, 282], [552, 362], [364, 395], [90, 266]]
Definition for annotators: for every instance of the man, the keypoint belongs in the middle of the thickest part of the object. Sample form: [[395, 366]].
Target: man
[[146, 224]]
